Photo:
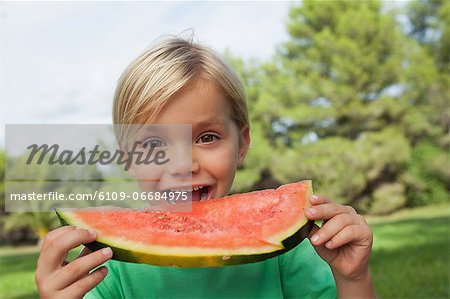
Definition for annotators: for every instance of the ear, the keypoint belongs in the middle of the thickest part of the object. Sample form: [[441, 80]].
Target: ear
[[244, 144]]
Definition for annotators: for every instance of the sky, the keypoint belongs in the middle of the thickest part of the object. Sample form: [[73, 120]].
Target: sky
[[59, 61]]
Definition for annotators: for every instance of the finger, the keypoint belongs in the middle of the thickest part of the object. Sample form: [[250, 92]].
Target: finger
[[81, 267], [85, 251], [314, 229], [54, 234], [79, 288], [354, 234], [57, 248], [327, 211], [43, 267], [59, 231], [331, 228], [321, 250], [318, 199]]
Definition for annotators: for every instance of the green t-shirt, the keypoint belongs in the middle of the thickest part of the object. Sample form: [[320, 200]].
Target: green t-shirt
[[299, 273]]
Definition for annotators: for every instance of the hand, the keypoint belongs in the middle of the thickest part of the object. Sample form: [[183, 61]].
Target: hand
[[56, 278], [344, 241]]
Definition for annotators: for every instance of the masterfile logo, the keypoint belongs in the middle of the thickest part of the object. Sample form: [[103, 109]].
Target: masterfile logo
[[74, 166]]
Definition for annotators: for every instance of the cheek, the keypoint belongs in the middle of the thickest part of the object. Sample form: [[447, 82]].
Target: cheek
[[147, 172], [220, 162], [148, 176]]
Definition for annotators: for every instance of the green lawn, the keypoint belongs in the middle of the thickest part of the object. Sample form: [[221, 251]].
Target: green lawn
[[17, 266], [16, 276], [411, 253], [410, 257]]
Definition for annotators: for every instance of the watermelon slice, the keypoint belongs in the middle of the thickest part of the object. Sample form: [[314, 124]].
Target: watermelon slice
[[236, 229]]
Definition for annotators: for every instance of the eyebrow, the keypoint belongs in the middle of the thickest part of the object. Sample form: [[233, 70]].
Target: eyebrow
[[211, 122], [156, 128]]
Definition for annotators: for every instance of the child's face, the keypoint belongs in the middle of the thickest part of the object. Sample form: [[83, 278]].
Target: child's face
[[216, 150]]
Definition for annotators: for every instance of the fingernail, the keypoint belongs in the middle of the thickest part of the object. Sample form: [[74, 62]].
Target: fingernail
[[313, 197], [92, 232], [315, 238], [328, 244], [107, 251], [104, 270], [312, 211]]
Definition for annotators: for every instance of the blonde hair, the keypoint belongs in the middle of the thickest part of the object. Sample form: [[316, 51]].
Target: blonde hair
[[152, 79]]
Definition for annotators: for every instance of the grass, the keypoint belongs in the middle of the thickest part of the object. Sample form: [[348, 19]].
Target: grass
[[17, 274], [411, 253], [410, 257], [17, 266]]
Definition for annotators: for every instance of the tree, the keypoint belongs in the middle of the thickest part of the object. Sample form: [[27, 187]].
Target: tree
[[343, 103], [429, 25], [427, 176]]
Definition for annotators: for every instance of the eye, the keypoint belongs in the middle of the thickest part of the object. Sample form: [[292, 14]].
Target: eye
[[154, 142], [207, 138]]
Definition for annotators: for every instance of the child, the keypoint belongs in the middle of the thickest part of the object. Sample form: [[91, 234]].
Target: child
[[177, 81]]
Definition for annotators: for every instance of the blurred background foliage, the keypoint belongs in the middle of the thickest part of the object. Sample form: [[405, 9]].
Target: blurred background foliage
[[357, 100], [31, 227]]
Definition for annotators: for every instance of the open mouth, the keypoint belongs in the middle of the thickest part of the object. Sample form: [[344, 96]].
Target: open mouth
[[194, 193]]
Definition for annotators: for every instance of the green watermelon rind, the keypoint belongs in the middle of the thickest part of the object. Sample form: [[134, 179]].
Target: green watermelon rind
[[128, 255]]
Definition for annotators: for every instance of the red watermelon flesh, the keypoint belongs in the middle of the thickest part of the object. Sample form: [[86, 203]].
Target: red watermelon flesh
[[234, 229]]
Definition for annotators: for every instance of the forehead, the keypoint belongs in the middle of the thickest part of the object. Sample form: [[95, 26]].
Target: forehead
[[197, 103]]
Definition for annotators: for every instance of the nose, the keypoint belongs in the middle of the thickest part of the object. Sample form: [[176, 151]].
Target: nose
[[183, 165]]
